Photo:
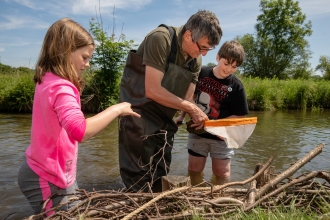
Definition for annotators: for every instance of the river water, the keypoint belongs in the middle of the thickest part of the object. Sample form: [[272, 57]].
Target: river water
[[285, 135]]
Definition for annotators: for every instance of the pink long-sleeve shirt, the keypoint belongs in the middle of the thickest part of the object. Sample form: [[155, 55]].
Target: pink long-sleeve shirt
[[58, 124]]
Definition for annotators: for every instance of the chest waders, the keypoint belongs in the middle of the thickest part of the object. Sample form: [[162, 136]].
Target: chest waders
[[145, 143]]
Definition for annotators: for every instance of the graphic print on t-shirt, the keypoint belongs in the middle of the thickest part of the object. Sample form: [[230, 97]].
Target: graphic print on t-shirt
[[69, 172], [210, 95]]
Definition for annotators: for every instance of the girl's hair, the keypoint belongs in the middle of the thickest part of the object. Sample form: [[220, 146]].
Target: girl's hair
[[62, 38], [232, 51]]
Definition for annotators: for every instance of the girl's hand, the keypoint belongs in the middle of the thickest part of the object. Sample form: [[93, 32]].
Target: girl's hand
[[125, 109]]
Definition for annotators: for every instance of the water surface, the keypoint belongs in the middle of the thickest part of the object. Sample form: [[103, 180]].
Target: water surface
[[285, 135]]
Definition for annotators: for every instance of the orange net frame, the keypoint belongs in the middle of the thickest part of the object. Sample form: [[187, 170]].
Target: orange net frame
[[234, 131]]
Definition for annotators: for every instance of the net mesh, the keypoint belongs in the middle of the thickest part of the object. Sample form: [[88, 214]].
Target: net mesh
[[234, 131]]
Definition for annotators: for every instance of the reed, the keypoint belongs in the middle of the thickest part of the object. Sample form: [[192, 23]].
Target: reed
[[274, 94], [17, 89]]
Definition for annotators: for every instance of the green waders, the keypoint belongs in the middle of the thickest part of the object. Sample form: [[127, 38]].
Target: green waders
[[141, 159]]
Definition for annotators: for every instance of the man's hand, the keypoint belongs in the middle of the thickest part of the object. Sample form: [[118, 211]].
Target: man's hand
[[198, 117]]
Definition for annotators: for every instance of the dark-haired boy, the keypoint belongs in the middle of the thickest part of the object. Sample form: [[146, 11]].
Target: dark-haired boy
[[220, 94]]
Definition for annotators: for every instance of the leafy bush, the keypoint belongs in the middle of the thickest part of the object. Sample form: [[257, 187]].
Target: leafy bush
[[16, 92], [107, 66]]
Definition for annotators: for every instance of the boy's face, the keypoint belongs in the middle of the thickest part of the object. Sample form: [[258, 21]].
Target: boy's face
[[225, 69]]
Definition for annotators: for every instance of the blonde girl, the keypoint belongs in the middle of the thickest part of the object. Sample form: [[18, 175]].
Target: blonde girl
[[49, 171]]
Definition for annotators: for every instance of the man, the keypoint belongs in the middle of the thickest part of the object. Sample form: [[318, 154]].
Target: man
[[159, 79]]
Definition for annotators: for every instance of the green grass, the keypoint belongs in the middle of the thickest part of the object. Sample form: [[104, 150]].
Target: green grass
[[17, 89], [288, 213], [273, 94]]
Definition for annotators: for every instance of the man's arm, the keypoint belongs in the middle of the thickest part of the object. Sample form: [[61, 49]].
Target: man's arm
[[178, 120], [156, 92]]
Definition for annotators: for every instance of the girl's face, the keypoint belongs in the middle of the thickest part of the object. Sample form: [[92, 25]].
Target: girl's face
[[80, 58], [225, 68]]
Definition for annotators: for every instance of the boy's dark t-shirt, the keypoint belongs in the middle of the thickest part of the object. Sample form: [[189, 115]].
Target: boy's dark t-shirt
[[220, 98]]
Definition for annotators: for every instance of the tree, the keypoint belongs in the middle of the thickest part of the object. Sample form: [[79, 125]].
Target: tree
[[107, 64], [324, 66], [211, 64], [300, 68], [279, 44]]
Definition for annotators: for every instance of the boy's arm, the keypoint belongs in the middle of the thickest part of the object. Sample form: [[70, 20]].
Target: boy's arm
[[237, 116], [179, 120]]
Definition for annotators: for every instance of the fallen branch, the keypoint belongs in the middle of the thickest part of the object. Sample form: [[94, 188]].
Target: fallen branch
[[291, 170], [154, 200], [207, 202], [260, 172]]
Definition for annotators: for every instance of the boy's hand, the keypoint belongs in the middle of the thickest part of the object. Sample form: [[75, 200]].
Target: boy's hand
[[178, 121]]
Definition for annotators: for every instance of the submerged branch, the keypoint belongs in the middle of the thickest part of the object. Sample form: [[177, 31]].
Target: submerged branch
[[283, 190]]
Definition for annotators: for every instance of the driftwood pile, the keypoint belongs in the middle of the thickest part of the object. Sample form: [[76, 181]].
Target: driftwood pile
[[265, 190]]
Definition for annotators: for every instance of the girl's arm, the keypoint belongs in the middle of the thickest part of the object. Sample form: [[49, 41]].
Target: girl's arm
[[97, 123]]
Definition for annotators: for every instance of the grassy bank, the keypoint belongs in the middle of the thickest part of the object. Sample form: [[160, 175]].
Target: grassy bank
[[17, 88], [272, 94]]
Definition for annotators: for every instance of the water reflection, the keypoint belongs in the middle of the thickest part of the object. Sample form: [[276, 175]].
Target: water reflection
[[285, 135]]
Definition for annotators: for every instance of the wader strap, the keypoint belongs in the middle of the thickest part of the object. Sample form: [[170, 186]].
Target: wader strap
[[171, 57]]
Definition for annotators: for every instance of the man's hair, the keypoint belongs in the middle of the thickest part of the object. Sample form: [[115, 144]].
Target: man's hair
[[62, 38], [232, 51], [204, 23]]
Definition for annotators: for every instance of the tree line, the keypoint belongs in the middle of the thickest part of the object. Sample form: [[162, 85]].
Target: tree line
[[277, 50]]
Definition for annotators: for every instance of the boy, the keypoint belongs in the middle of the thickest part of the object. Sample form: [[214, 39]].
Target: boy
[[220, 94]]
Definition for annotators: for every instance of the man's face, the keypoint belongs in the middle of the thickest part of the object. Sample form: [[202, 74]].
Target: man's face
[[194, 49]]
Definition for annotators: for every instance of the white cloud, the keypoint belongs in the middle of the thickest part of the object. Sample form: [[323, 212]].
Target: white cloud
[[18, 43], [89, 6], [81, 7], [28, 3], [62, 8], [2, 49], [315, 7], [16, 22]]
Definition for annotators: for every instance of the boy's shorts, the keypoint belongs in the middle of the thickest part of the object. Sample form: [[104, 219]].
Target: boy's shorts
[[218, 149]]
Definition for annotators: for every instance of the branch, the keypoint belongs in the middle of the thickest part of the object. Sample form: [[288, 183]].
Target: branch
[[290, 170], [137, 211], [260, 172]]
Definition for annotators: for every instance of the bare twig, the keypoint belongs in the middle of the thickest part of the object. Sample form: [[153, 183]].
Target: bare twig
[[291, 170], [260, 172], [185, 202]]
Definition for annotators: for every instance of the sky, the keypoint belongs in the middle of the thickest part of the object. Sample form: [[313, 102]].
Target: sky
[[23, 23]]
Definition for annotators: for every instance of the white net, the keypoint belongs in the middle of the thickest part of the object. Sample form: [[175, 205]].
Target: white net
[[234, 131]]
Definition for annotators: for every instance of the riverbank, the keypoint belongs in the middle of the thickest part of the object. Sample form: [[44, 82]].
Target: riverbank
[[17, 89]]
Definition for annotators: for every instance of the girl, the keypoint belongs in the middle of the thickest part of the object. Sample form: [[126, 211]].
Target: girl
[[58, 124]]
